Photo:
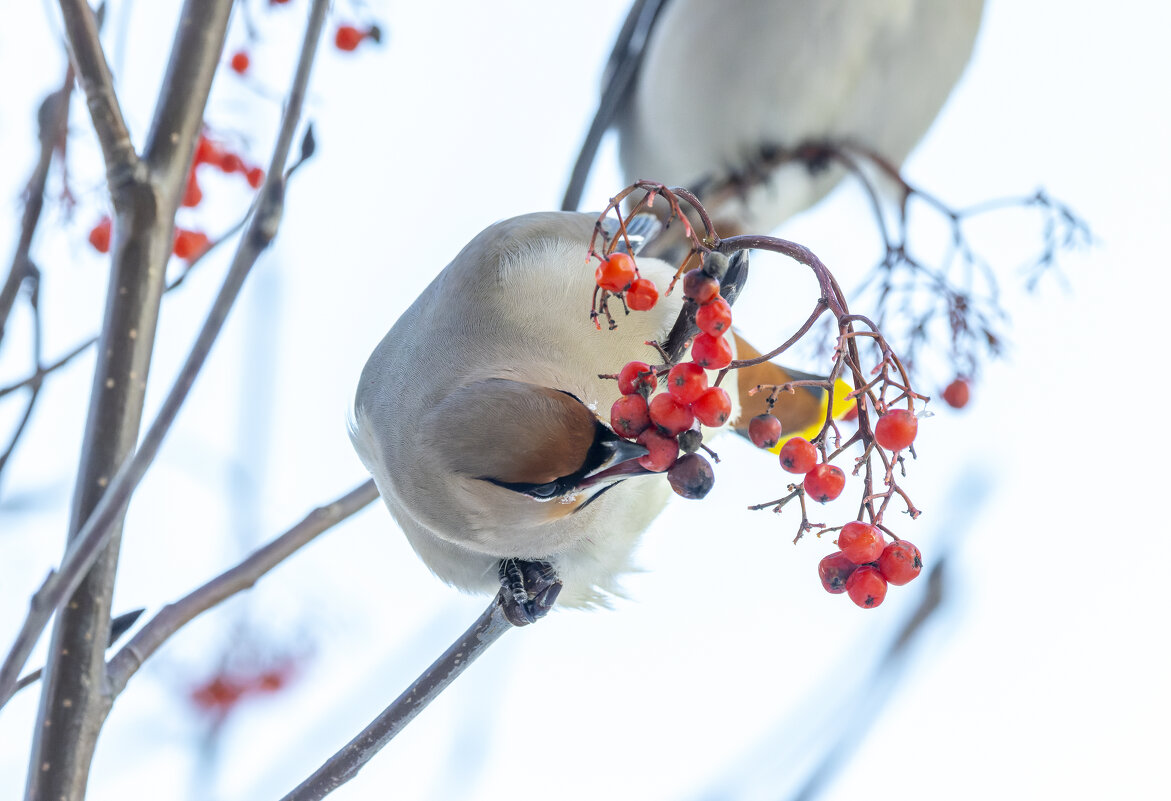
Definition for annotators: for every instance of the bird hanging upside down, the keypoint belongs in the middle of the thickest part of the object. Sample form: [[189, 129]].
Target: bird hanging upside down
[[482, 417]]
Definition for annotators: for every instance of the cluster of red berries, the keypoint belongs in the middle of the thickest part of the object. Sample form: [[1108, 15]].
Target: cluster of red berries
[[710, 350], [823, 482], [190, 244], [220, 693], [216, 155], [665, 424], [865, 564]]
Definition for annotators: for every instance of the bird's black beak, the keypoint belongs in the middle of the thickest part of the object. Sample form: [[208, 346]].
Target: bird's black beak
[[621, 464]]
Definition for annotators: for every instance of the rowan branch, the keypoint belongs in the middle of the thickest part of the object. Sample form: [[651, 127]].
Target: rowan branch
[[345, 764]]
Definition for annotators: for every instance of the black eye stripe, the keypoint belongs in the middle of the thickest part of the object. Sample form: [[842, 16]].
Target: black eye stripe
[[550, 489], [601, 450]]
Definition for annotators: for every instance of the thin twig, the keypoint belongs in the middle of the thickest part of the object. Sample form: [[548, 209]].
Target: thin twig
[[52, 121], [174, 616], [346, 763]]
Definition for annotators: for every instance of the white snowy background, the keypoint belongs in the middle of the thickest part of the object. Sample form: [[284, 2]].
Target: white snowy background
[[729, 672]]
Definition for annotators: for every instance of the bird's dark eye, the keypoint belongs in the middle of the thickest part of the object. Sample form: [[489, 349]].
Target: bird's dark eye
[[544, 490], [541, 492]]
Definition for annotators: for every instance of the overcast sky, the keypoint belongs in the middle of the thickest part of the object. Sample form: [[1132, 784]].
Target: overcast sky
[[1045, 675]]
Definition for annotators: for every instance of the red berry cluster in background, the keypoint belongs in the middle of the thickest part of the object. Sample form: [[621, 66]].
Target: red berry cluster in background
[[667, 422], [865, 564], [219, 694], [216, 154]]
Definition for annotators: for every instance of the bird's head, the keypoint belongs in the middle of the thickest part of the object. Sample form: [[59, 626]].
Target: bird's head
[[518, 454]]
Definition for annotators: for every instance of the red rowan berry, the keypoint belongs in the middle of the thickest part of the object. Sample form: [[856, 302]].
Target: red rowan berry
[[664, 450], [957, 393], [669, 414], [629, 416], [691, 476], [190, 244], [714, 317], [699, 286], [896, 429], [348, 37], [824, 482], [240, 61], [860, 542], [615, 273], [711, 353], [798, 455], [642, 295], [230, 163], [765, 431], [713, 407], [866, 587], [686, 381], [99, 235], [255, 177], [900, 562], [636, 377], [834, 570]]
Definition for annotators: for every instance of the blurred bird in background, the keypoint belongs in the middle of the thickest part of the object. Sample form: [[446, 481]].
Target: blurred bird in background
[[483, 420], [717, 97]]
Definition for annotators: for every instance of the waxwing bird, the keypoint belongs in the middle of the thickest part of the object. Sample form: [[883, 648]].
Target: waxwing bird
[[705, 94], [481, 416]]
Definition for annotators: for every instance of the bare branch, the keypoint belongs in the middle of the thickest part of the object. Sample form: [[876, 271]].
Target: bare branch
[[52, 119], [174, 616], [345, 764]]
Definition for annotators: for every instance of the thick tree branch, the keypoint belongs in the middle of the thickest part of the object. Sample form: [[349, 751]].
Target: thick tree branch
[[345, 764], [73, 704], [174, 616]]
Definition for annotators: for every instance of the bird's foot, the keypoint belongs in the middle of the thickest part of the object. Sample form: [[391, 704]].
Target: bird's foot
[[529, 590]]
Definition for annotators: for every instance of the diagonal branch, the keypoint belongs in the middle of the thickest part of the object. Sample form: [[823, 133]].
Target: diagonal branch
[[345, 764], [174, 616]]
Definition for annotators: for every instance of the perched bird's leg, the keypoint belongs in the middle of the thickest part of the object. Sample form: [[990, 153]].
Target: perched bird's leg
[[530, 590]]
